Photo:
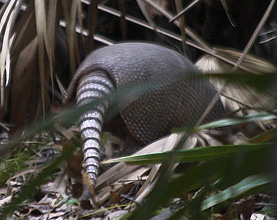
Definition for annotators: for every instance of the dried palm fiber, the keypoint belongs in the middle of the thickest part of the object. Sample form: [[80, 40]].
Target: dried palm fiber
[[245, 94]]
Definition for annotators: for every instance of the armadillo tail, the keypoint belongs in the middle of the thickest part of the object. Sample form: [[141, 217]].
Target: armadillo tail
[[92, 87]]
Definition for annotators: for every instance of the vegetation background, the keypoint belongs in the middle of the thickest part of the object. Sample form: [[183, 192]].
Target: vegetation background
[[42, 44]]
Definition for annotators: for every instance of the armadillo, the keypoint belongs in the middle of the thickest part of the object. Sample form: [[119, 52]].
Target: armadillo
[[173, 103]]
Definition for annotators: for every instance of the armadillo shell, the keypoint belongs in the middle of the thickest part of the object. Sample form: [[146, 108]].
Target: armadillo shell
[[177, 101]]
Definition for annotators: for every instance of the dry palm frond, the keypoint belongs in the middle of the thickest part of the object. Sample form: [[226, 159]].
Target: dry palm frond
[[8, 16], [245, 94], [33, 60], [32, 55]]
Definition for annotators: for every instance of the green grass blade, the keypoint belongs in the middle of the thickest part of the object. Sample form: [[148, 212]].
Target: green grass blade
[[261, 116], [189, 155], [245, 186]]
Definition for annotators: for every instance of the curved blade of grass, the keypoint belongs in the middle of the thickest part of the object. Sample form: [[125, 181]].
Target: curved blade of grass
[[261, 81], [261, 116], [198, 205], [247, 185], [189, 155], [225, 168], [264, 137]]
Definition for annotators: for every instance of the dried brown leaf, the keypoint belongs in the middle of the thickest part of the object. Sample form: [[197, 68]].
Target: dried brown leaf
[[24, 87], [40, 19]]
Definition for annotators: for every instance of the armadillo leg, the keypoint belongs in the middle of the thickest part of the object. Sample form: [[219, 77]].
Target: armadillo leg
[[92, 87]]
